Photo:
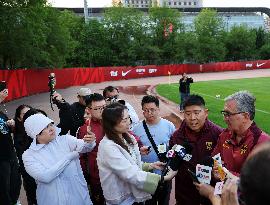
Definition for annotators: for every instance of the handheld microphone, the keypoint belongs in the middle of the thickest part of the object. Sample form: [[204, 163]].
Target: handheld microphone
[[170, 155], [177, 155]]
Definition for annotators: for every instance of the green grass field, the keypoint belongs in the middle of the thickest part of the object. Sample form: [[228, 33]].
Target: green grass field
[[260, 87]]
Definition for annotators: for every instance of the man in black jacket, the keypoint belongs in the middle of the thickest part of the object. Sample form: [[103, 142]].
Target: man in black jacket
[[10, 179], [184, 88], [71, 116]]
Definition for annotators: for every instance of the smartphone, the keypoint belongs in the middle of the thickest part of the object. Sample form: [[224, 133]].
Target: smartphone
[[149, 148], [193, 176], [3, 85]]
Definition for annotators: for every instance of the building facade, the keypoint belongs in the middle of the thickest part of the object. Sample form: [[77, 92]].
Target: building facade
[[167, 3]]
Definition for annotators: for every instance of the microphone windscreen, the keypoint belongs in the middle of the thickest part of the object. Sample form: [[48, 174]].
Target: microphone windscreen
[[207, 161], [188, 147], [175, 163]]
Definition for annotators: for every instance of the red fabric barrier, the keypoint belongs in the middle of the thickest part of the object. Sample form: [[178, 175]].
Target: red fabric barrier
[[16, 83], [28, 82], [120, 73]]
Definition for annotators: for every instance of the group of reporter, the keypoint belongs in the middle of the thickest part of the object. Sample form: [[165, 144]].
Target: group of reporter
[[113, 166]]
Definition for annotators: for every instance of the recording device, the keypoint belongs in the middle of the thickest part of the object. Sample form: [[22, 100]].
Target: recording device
[[207, 161], [149, 148], [51, 84], [114, 99], [3, 85], [176, 156], [193, 176]]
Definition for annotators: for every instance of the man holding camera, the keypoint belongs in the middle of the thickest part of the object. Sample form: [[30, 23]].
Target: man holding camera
[[200, 134], [184, 88], [111, 94], [71, 116], [10, 179]]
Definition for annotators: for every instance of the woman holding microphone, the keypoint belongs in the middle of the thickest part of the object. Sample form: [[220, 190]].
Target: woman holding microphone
[[125, 180]]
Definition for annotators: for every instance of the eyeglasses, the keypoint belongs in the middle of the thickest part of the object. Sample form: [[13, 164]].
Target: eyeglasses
[[152, 110], [229, 114], [98, 108], [112, 97]]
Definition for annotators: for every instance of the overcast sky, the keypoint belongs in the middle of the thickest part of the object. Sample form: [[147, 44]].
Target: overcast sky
[[207, 3]]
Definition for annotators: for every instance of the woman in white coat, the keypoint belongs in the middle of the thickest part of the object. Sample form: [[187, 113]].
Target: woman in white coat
[[125, 180], [53, 161]]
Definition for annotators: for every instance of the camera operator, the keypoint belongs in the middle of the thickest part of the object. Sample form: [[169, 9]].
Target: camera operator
[[71, 116], [10, 179], [111, 94], [184, 88]]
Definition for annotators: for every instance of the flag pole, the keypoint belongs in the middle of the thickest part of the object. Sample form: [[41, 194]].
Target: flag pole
[[169, 75]]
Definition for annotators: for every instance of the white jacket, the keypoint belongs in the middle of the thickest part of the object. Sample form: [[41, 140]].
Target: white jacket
[[133, 115], [56, 168], [121, 176]]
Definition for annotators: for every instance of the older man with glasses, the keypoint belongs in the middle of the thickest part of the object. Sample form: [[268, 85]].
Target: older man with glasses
[[242, 135]]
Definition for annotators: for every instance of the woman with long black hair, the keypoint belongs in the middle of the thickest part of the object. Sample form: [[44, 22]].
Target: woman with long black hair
[[125, 179]]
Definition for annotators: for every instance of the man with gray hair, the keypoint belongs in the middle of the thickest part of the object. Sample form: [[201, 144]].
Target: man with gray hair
[[242, 135]]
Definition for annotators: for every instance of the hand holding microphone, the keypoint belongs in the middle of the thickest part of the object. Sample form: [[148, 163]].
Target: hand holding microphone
[[176, 156], [157, 165], [170, 175]]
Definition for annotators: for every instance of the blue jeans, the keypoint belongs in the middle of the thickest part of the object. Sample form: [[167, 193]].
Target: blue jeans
[[183, 97]]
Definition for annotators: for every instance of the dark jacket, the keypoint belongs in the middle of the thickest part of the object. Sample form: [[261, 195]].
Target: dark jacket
[[203, 144], [184, 86], [21, 140], [71, 117], [7, 151]]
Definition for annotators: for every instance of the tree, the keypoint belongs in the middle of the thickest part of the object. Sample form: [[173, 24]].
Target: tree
[[264, 51], [187, 45], [124, 26], [32, 35], [209, 31], [166, 26], [240, 43]]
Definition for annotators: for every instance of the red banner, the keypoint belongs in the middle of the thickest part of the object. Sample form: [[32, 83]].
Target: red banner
[[28, 82]]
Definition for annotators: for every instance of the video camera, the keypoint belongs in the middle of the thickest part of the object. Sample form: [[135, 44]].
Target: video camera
[[51, 84], [114, 99]]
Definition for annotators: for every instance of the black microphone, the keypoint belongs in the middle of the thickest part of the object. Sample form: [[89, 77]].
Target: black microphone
[[188, 147], [207, 161], [170, 155], [177, 155]]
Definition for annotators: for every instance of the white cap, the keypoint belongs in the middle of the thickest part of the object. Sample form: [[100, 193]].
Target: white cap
[[35, 124], [84, 92]]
